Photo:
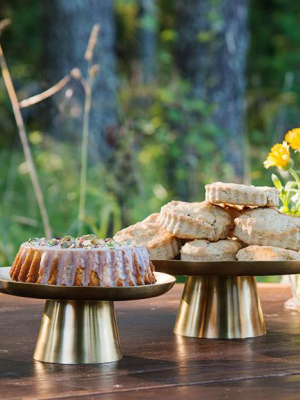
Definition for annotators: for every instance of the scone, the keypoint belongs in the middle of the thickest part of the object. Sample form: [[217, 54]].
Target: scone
[[195, 220], [268, 227], [160, 244], [203, 250], [232, 193], [266, 253], [83, 261]]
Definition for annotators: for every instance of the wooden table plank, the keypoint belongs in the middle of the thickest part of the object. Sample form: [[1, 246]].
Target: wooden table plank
[[156, 360], [273, 388]]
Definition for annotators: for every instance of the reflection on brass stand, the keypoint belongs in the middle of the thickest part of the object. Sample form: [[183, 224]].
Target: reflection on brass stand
[[75, 332], [220, 308]]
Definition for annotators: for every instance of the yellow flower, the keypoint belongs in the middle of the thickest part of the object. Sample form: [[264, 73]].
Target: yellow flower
[[279, 156], [293, 138]]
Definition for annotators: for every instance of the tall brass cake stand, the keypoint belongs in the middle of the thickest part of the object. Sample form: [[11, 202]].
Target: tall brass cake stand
[[79, 323], [220, 299]]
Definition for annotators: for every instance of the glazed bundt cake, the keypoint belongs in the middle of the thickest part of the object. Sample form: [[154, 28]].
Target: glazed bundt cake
[[84, 261]]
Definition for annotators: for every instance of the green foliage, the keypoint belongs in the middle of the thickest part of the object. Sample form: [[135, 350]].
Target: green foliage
[[173, 140], [288, 195], [58, 165], [273, 90], [26, 59], [273, 96], [275, 41]]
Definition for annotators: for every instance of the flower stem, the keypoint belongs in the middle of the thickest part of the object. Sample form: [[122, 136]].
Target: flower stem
[[84, 152], [88, 86], [297, 179], [25, 144], [295, 175]]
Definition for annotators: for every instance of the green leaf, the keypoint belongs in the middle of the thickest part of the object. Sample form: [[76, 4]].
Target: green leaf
[[290, 185], [276, 181]]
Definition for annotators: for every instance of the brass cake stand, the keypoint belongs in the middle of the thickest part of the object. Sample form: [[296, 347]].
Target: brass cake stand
[[220, 299], [79, 323]]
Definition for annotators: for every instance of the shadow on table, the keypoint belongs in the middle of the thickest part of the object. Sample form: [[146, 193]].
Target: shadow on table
[[15, 369], [278, 345]]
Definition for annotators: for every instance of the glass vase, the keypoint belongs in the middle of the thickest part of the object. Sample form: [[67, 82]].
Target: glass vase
[[294, 302]]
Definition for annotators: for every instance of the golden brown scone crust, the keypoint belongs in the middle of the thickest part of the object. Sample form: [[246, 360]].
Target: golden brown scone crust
[[266, 253], [195, 220], [268, 227], [203, 250], [232, 193]]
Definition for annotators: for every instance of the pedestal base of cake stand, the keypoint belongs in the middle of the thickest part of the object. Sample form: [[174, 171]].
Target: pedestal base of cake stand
[[220, 299], [220, 308], [75, 332], [79, 323]]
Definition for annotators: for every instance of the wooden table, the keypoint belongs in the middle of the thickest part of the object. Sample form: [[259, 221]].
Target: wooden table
[[157, 364]]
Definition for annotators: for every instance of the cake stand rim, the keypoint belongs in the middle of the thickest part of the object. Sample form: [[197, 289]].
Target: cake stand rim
[[164, 283], [227, 268]]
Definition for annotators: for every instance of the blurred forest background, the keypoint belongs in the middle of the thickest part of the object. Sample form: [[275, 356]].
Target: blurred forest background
[[187, 92]]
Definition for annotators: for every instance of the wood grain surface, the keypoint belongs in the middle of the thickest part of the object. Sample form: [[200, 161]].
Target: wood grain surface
[[157, 364]]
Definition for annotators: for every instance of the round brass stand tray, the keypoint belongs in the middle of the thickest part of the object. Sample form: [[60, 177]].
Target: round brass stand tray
[[220, 299], [79, 323]]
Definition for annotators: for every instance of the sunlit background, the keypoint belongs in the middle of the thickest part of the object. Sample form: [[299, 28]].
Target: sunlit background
[[183, 93]]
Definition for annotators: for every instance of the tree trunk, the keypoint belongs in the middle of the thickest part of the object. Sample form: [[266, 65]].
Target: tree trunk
[[67, 28], [212, 49], [148, 39]]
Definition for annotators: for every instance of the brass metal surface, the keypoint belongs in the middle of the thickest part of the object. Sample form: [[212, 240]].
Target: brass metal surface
[[79, 324], [220, 298], [220, 308], [164, 284], [227, 268], [74, 332]]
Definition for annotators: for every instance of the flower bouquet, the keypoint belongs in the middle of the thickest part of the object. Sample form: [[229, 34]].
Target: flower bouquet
[[280, 157]]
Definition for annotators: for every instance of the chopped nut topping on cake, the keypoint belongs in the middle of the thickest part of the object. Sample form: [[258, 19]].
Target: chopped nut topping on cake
[[86, 241]]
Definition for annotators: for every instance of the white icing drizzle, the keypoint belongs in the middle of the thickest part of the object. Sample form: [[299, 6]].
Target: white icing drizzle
[[46, 264], [113, 266], [127, 262], [23, 255]]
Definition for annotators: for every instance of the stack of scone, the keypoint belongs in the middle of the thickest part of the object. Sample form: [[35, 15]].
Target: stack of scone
[[266, 234], [206, 226], [235, 222]]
